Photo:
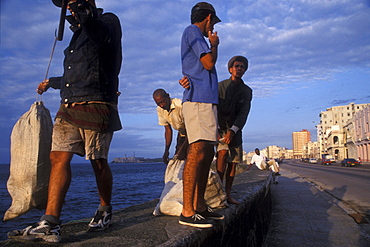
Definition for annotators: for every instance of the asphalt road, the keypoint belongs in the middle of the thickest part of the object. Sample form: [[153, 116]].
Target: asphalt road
[[350, 185]]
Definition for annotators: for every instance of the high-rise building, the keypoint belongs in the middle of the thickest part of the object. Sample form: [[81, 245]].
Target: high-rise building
[[300, 139]]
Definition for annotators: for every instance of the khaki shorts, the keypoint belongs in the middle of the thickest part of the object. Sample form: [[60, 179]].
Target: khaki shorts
[[200, 121], [235, 153], [69, 138]]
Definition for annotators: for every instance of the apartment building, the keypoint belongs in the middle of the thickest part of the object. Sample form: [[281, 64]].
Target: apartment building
[[335, 131], [273, 152], [349, 140], [287, 154], [311, 150], [361, 133], [299, 140]]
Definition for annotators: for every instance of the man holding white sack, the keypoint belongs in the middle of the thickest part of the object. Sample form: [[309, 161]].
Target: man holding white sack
[[170, 116]]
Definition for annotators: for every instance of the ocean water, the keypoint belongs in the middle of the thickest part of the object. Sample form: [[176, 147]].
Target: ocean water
[[133, 183]]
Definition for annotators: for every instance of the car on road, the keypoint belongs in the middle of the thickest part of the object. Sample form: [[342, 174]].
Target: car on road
[[326, 162], [312, 161], [349, 162]]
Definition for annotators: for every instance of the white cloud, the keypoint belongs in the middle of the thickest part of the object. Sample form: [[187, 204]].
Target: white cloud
[[289, 43]]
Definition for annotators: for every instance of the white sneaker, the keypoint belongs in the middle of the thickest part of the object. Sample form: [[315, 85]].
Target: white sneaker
[[41, 230]]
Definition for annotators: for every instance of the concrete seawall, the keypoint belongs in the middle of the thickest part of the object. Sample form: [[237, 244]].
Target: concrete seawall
[[245, 224]]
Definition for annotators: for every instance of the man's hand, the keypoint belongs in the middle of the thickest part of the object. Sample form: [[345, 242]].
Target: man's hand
[[184, 82], [81, 10], [213, 39], [165, 157], [43, 87], [209, 59], [249, 167], [228, 137]]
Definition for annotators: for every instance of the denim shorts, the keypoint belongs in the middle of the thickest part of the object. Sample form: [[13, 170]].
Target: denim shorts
[[69, 138]]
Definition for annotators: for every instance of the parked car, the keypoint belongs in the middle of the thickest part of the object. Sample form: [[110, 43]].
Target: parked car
[[312, 161], [349, 162], [326, 162]]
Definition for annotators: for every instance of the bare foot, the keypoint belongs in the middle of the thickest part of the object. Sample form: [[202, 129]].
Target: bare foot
[[232, 200]]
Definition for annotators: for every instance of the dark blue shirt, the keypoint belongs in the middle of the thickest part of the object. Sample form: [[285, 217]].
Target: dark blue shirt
[[92, 61]]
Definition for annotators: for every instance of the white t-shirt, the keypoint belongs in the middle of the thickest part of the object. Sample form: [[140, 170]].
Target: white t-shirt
[[259, 160]]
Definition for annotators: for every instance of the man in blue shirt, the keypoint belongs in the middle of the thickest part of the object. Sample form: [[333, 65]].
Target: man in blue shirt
[[200, 101]]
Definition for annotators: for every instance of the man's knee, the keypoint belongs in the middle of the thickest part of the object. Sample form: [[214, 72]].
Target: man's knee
[[60, 158], [99, 164], [222, 153], [200, 152]]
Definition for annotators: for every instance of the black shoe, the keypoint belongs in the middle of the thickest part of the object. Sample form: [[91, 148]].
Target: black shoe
[[210, 214], [101, 220], [41, 230], [195, 220]]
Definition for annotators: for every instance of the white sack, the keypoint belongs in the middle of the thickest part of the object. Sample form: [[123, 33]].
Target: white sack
[[170, 202], [29, 164]]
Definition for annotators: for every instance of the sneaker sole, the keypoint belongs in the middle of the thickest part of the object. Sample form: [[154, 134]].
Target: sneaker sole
[[97, 229], [216, 218], [195, 224], [50, 239], [25, 238], [220, 217]]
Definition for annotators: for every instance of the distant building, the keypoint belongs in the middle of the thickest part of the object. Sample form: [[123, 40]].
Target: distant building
[[362, 133], [350, 149], [335, 131], [131, 159], [299, 140], [311, 150], [273, 152], [287, 154]]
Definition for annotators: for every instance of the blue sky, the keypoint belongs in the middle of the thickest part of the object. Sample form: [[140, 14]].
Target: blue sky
[[305, 56]]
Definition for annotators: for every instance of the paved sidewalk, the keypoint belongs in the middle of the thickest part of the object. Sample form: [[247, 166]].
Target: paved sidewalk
[[304, 216]]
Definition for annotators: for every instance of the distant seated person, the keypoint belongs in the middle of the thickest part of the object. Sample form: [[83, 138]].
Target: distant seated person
[[169, 113], [260, 160]]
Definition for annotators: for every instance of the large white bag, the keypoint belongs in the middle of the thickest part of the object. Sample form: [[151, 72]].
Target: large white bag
[[171, 200], [30, 164]]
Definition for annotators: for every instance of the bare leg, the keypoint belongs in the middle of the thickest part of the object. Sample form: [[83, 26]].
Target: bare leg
[[189, 180], [104, 180], [60, 179], [230, 174], [221, 163], [197, 163], [199, 202]]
